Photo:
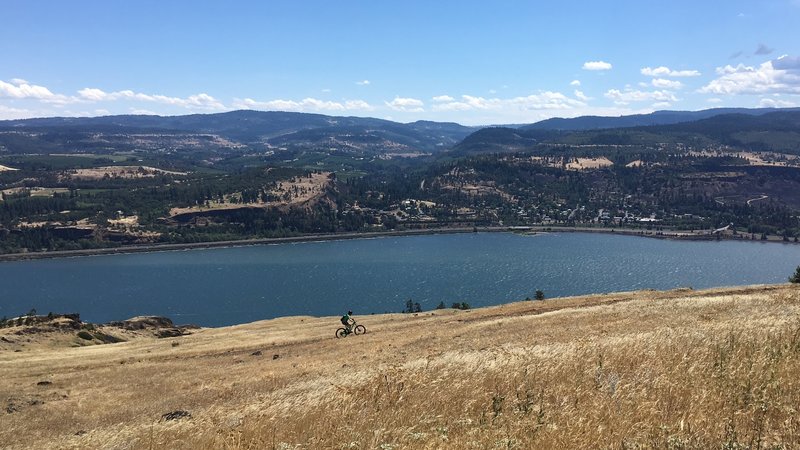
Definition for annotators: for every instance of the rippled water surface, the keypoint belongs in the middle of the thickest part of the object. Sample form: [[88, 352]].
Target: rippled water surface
[[235, 285]]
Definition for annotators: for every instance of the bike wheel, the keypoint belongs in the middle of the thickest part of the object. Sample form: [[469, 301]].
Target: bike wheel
[[360, 329], [341, 332]]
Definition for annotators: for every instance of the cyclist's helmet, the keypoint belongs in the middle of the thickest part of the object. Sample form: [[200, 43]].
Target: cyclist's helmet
[[349, 313]]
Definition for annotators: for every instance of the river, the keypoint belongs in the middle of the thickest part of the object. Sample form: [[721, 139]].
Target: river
[[224, 286]]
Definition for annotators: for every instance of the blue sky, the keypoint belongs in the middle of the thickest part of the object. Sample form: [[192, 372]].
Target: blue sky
[[468, 62]]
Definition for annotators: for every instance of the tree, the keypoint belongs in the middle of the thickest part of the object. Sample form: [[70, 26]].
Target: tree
[[796, 277], [412, 307], [539, 295], [441, 306]]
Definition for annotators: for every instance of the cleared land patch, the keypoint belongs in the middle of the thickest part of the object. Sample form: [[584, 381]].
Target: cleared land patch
[[589, 163], [98, 173], [296, 191]]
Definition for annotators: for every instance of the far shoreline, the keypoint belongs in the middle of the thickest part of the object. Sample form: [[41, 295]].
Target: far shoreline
[[690, 235]]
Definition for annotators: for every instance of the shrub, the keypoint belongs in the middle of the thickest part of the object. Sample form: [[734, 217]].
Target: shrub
[[539, 295], [441, 306], [796, 277], [83, 334]]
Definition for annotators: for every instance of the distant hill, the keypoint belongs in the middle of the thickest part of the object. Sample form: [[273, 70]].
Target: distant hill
[[769, 130], [639, 120], [248, 128], [760, 129], [502, 139]]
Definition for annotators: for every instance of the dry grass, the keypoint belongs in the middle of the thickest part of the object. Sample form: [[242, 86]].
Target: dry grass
[[297, 191], [98, 173], [589, 163], [677, 369]]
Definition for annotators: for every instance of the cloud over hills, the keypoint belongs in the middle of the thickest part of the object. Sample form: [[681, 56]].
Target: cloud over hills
[[781, 76]]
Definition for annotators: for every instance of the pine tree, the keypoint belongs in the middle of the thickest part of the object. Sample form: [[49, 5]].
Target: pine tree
[[796, 277]]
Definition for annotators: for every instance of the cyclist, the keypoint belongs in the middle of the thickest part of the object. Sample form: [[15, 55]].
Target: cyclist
[[348, 321]]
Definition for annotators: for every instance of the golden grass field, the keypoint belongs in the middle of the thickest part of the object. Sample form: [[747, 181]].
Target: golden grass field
[[675, 370]]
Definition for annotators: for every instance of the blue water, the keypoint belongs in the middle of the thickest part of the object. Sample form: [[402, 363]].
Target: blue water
[[225, 286]]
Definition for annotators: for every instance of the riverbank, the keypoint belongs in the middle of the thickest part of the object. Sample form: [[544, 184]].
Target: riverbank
[[671, 234], [679, 369], [238, 243]]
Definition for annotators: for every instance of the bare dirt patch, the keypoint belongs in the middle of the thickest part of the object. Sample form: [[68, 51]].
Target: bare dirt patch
[[296, 191], [98, 173], [589, 163]]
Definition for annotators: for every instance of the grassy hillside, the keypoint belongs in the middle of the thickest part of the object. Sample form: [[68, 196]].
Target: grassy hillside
[[677, 369]]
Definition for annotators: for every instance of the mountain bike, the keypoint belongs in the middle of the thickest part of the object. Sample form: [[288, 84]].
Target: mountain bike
[[355, 329]]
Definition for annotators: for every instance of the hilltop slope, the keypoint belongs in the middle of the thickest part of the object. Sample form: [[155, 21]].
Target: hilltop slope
[[642, 120], [677, 369]]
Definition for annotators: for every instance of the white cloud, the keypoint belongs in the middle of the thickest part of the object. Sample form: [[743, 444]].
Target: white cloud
[[596, 65], [363, 83], [95, 95], [442, 98], [727, 69], [198, 101], [143, 112], [714, 100], [764, 79], [662, 105], [357, 104], [20, 89], [541, 101], [305, 105], [775, 103], [406, 104], [628, 95], [663, 71], [326, 90], [9, 113], [575, 83], [547, 100], [663, 83], [581, 96]]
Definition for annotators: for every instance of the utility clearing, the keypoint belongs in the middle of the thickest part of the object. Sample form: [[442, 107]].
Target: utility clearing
[[681, 369]]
